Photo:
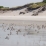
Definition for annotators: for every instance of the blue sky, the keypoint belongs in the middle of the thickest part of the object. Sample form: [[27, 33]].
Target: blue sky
[[14, 3]]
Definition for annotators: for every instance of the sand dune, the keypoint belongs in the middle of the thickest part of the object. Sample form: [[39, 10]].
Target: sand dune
[[17, 13], [42, 13]]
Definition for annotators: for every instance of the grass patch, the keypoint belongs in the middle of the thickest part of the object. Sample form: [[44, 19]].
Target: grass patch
[[36, 5]]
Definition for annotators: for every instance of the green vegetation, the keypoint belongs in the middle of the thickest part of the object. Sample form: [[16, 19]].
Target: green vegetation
[[36, 5], [1, 7], [41, 3], [4, 8], [44, 1], [30, 6], [33, 6]]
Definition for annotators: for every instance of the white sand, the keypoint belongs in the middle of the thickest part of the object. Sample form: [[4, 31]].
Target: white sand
[[42, 13], [33, 18], [16, 13]]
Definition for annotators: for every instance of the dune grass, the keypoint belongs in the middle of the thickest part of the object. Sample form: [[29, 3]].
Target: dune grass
[[30, 5], [36, 5]]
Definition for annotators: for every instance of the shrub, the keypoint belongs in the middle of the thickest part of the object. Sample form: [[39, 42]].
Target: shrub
[[36, 5], [41, 4], [1, 7], [5, 8], [44, 1]]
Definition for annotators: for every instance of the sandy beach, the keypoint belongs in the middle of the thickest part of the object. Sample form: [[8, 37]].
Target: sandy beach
[[22, 30], [32, 18], [22, 25]]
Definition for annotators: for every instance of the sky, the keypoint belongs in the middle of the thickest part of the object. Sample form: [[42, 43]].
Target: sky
[[14, 3]]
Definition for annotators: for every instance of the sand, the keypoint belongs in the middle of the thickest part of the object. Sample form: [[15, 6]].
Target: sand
[[33, 18], [22, 30], [42, 13], [17, 13]]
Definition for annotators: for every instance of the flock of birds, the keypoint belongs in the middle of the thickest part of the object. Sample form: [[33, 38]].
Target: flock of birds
[[21, 30]]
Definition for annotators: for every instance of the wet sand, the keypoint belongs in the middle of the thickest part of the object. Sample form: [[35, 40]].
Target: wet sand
[[22, 33]]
